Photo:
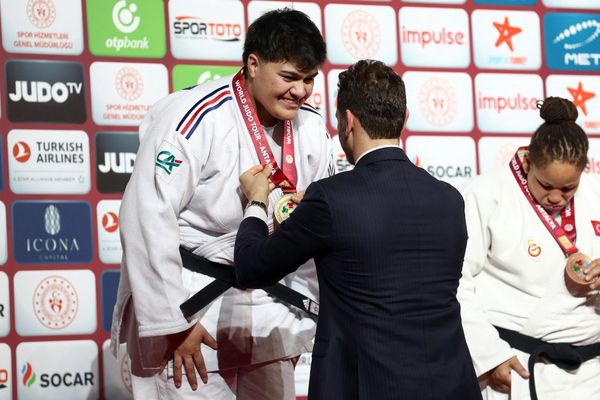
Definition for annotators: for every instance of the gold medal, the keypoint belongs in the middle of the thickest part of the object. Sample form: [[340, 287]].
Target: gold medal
[[284, 207]]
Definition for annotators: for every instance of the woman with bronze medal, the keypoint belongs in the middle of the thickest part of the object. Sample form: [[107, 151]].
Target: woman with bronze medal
[[529, 291]]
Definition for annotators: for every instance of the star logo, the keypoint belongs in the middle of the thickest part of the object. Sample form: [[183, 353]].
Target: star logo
[[506, 33], [580, 96]]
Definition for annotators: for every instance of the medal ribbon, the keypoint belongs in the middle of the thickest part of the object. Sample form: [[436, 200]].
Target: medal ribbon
[[286, 177], [566, 240]]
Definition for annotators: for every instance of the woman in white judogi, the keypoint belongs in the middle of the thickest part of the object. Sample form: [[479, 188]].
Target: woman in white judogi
[[192, 199], [513, 273], [184, 191]]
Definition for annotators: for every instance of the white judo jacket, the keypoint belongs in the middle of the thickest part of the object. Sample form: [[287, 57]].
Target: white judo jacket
[[513, 274], [184, 191]]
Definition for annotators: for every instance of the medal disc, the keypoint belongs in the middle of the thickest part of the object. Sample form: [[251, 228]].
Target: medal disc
[[575, 268], [284, 207]]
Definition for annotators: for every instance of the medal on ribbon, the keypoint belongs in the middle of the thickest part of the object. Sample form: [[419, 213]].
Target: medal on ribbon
[[284, 207], [564, 235]]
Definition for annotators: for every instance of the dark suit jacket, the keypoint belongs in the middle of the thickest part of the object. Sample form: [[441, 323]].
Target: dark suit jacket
[[388, 240]]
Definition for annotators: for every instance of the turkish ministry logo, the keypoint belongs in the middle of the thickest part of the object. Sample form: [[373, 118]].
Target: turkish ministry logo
[[42, 26], [440, 106], [115, 158], [126, 28], [55, 302], [438, 101], [129, 83], [52, 232], [49, 302], [41, 13], [360, 31], [122, 93], [572, 41], [45, 91], [361, 34]]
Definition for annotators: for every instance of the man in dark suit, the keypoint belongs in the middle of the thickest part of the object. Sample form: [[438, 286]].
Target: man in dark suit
[[388, 240]]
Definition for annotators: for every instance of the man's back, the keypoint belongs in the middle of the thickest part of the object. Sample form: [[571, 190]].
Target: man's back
[[389, 324], [388, 241]]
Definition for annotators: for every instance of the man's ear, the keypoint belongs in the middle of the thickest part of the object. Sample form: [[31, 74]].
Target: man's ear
[[350, 121], [406, 118], [526, 163], [252, 64]]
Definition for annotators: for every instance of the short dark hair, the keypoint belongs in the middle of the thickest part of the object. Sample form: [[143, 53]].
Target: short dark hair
[[376, 96], [285, 35], [559, 138]]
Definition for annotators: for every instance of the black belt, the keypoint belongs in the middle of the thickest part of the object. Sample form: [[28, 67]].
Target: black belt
[[225, 278], [563, 355]]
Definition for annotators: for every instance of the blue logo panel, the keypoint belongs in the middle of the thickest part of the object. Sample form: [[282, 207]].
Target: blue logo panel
[[507, 2], [52, 232], [572, 41], [110, 284]]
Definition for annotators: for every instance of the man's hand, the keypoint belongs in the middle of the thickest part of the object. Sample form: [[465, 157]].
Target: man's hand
[[188, 355], [499, 377], [297, 197], [255, 183], [592, 274]]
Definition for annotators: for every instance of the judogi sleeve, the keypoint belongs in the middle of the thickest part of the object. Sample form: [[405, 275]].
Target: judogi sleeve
[[262, 260], [486, 347], [162, 184]]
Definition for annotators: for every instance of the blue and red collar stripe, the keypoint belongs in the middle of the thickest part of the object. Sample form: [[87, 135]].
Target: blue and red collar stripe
[[196, 113]]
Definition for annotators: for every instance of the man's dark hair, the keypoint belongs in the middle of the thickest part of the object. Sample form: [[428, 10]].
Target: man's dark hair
[[559, 138], [376, 96], [285, 35]]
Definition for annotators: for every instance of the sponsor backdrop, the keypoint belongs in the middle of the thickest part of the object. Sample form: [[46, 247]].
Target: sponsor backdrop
[[79, 76]]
